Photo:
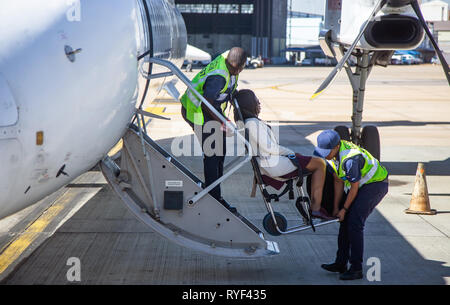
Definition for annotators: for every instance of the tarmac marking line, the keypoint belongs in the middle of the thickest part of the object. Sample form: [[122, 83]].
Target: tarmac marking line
[[15, 249], [152, 109]]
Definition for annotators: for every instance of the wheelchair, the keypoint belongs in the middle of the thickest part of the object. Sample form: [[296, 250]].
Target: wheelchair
[[274, 222]]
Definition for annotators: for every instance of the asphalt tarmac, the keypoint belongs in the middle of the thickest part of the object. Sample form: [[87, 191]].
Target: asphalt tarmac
[[92, 229]]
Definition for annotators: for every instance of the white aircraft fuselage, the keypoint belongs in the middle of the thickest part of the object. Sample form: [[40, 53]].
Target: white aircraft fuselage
[[61, 112]]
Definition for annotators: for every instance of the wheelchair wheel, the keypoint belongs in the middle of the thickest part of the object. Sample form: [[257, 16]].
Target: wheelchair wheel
[[269, 225], [370, 139], [343, 132]]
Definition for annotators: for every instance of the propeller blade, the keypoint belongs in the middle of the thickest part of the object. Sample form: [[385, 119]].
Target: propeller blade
[[344, 59], [416, 7]]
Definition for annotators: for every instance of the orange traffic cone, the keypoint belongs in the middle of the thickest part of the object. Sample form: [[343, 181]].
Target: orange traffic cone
[[420, 202]]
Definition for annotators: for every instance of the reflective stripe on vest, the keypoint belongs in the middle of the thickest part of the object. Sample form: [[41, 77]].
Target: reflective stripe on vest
[[371, 172], [189, 100], [193, 98]]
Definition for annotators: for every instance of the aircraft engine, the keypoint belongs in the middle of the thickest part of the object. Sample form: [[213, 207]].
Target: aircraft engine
[[393, 32]]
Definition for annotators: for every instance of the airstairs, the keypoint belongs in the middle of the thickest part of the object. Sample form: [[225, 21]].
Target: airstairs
[[171, 200]]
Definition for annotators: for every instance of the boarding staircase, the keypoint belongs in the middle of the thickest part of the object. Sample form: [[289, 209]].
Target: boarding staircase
[[171, 200]]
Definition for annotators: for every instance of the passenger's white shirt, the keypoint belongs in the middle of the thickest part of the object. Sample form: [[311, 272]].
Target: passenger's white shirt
[[271, 156]]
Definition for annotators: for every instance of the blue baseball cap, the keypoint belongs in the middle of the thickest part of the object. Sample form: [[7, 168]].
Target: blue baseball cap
[[326, 141]]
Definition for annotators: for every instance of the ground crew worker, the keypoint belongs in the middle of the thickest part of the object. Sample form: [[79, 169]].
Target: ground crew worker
[[217, 83], [365, 182]]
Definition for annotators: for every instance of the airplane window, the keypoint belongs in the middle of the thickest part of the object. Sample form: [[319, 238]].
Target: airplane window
[[247, 9], [215, 8], [197, 8], [228, 9]]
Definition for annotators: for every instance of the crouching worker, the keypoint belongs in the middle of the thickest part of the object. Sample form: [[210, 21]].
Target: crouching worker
[[365, 181], [273, 158]]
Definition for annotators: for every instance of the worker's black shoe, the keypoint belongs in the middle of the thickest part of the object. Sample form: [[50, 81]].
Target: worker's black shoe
[[232, 209], [335, 267], [229, 207], [351, 275]]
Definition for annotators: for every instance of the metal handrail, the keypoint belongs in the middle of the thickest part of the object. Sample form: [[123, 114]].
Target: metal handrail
[[177, 72], [307, 227]]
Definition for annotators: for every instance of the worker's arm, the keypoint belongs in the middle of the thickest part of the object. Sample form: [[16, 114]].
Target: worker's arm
[[352, 168], [209, 111], [338, 192], [352, 193], [211, 92]]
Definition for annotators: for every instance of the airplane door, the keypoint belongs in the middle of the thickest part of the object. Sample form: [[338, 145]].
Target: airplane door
[[8, 108], [10, 147]]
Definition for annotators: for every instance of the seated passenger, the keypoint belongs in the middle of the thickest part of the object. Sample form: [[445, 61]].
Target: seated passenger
[[273, 158]]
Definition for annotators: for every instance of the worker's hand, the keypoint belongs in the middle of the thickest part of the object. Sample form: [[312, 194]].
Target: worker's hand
[[335, 212], [341, 215], [228, 132]]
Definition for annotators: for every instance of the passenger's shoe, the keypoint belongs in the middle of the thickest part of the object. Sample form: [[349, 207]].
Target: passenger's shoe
[[335, 267], [322, 214], [351, 275]]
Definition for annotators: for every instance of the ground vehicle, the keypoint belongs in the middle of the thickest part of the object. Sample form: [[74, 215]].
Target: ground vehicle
[[435, 61], [396, 59], [324, 61], [255, 62], [408, 59], [307, 62]]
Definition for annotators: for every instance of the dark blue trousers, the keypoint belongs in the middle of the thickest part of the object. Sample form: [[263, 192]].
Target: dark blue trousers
[[212, 163], [351, 230]]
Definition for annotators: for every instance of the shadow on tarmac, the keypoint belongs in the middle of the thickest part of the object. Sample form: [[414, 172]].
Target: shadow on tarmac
[[436, 168], [289, 136]]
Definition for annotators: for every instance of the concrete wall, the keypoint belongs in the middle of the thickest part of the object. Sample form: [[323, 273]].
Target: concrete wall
[[278, 30], [218, 43], [316, 7], [267, 30], [303, 31], [435, 11]]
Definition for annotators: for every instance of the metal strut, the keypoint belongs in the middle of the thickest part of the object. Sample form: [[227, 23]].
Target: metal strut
[[358, 81]]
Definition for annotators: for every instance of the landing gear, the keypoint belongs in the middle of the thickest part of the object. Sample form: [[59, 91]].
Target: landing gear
[[343, 132], [367, 137], [370, 138]]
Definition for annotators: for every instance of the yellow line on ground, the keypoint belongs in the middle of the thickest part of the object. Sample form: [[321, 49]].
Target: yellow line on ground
[[165, 102], [152, 109], [278, 87], [155, 110], [116, 148], [13, 251], [171, 113]]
